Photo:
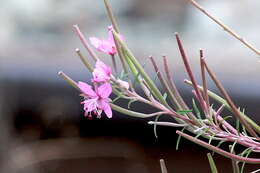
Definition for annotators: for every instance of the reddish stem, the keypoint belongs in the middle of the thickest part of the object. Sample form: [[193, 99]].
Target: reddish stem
[[229, 101], [189, 71], [218, 150]]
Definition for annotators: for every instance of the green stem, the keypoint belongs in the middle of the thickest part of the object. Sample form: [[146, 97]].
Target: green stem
[[133, 113], [147, 79], [85, 62], [111, 16], [68, 79]]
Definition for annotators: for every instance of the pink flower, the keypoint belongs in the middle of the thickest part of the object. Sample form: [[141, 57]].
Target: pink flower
[[96, 100], [101, 72], [106, 46]]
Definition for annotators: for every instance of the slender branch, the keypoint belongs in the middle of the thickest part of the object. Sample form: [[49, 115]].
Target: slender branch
[[85, 43], [114, 63], [164, 84], [83, 59], [234, 163], [204, 83], [133, 113], [68, 79], [120, 54], [218, 150], [212, 164], [226, 28], [111, 16], [173, 87], [189, 71], [229, 101], [163, 166], [223, 101], [167, 124]]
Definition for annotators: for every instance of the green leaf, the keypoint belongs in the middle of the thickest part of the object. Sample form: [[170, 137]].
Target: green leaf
[[220, 142], [129, 112], [123, 75], [155, 126], [130, 102], [117, 98], [179, 139], [243, 165], [225, 118], [211, 137], [212, 164], [237, 125], [244, 130], [233, 146], [165, 96], [244, 152], [196, 109], [183, 112], [136, 79]]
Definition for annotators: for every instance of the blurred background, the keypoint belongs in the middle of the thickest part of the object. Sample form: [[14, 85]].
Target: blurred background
[[42, 127]]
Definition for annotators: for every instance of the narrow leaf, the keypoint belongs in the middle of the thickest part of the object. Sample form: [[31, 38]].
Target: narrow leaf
[[178, 140], [212, 164]]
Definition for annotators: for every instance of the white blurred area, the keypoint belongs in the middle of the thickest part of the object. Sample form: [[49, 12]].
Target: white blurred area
[[37, 35]]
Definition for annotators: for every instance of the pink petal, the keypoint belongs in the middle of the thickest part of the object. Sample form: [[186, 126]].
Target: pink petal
[[87, 89], [111, 38], [103, 45], [101, 65], [104, 90], [90, 105], [101, 72], [104, 105], [100, 76], [95, 41], [107, 47]]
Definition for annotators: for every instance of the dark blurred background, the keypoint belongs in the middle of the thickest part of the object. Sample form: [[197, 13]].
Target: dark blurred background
[[42, 127]]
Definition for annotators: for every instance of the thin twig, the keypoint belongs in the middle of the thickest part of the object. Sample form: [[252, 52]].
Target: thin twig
[[189, 71], [167, 124], [111, 16], [173, 86], [68, 79], [83, 59], [164, 83], [85, 43], [230, 102], [114, 63], [218, 150], [234, 163], [226, 28], [204, 83], [223, 101], [163, 166]]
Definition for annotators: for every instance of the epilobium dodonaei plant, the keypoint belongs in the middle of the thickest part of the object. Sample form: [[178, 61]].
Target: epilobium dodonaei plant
[[207, 123]]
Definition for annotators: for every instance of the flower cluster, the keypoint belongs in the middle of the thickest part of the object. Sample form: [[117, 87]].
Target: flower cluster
[[97, 100]]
